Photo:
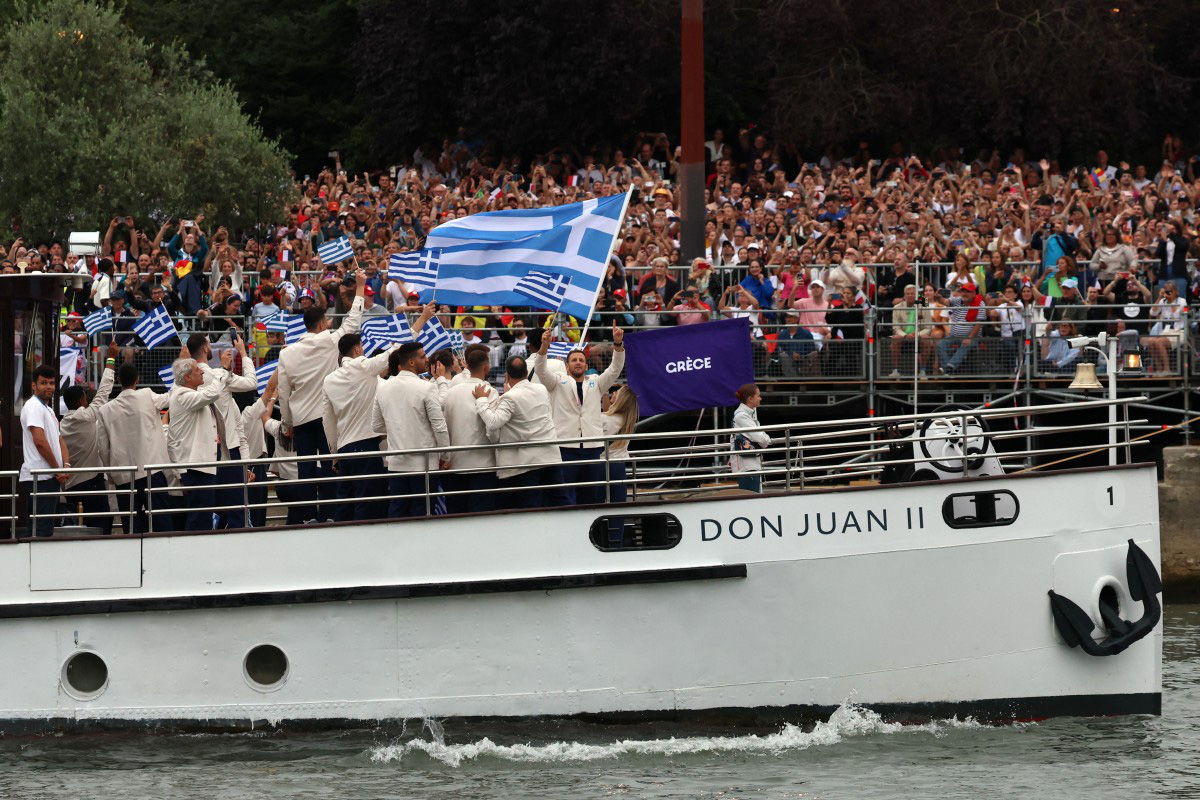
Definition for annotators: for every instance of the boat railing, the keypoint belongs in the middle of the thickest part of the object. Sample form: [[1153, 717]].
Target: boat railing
[[659, 466]]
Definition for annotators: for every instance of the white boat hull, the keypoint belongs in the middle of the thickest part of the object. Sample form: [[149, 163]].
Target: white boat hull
[[520, 615]]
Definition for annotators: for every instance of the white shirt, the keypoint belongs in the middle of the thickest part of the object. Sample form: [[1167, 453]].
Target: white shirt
[[521, 415], [612, 427], [574, 419], [286, 470], [1012, 319], [350, 399], [304, 365], [36, 414], [252, 430], [227, 407], [192, 433], [465, 426], [81, 430], [134, 429], [742, 460], [408, 411], [102, 286]]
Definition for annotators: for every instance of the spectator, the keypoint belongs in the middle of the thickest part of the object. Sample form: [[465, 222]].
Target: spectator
[[1172, 256], [965, 324]]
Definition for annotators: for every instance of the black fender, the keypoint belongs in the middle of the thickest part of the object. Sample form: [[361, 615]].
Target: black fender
[[1076, 626]]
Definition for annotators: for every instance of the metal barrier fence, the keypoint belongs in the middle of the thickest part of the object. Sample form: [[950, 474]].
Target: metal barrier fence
[[864, 349], [657, 465]]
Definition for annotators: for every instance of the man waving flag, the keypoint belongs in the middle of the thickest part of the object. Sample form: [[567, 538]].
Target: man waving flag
[[484, 256]]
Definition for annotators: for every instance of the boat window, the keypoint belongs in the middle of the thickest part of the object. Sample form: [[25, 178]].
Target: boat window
[[85, 675], [636, 532], [266, 667], [981, 509]]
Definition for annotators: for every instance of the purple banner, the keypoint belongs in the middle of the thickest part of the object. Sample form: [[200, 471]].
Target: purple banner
[[686, 367]]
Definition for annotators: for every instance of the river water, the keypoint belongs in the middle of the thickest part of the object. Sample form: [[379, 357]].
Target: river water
[[854, 755]]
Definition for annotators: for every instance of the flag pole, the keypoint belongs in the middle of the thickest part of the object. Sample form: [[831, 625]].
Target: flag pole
[[612, 247]]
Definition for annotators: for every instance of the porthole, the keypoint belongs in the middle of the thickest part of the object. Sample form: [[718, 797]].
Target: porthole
[[84, 675], [635, 532], [981, 509], [265, 667]]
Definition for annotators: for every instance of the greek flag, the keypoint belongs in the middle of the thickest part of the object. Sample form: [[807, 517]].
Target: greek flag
[[263, 374], [418, 271], [335, 251], [290, 324], [433, 336], [388, 330], [484, 256], [166, 376], [456, 341], [563, 349], [544, 289], [98, 321], [156, 328]]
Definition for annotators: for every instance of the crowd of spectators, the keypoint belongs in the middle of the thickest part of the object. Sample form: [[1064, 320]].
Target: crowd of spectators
[[789, 239]]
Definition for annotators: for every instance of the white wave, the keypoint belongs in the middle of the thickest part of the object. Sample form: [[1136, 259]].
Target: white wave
[[848, 721]]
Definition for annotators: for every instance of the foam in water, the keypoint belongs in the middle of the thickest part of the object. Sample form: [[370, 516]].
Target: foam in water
[[848, 721]]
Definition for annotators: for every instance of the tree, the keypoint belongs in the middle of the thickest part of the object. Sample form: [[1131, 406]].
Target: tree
[[98, 123]]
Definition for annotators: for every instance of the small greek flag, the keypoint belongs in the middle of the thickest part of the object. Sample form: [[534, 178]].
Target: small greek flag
[[545, 290], [335, 251], [433, 336], [456, 341], [290, 324], [388, 330], [98, 321], [166, 376], [263, 374], [563, 349], [156, 328], [418, 271]]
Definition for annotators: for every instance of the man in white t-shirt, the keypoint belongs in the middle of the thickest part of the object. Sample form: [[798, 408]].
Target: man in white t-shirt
[[43, 448]]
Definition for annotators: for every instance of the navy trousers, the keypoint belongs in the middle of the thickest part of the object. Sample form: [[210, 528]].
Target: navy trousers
[[95, 504], [361, 478], [574, 472], [412, 483], [310, 441], [201, 497], [535, 488], [481, 488], [235, 473]]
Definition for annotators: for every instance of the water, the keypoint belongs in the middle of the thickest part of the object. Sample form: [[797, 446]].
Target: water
[[854, 755]]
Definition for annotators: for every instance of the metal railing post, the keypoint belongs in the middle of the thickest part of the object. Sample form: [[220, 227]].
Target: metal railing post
[[245, 498], [607, 476], [33, 505], [428, 498], [149, 504], [964, 445], [787, 459]]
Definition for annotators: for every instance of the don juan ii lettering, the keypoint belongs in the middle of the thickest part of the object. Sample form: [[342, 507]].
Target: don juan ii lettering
[[868, 520], [689, 365]]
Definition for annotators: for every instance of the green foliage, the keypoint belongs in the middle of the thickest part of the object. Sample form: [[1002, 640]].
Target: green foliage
[[98, 123], [288, 62]]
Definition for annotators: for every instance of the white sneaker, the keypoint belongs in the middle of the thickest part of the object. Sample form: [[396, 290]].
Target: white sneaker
[[894, 374], [922, 374]]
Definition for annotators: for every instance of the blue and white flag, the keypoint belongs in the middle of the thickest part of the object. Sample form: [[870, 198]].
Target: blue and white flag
[[544, 290], [433, 336], [389, 330], [335, 251], [418, 271], [457, 344], [292, 325], [484, 256], [156, 328], [263, 374], [97, 321], [166, 376], [563, 349]]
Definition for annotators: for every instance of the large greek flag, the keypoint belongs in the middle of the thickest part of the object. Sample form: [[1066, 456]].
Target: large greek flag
[[483, 256], [156, 328], [97, 321]]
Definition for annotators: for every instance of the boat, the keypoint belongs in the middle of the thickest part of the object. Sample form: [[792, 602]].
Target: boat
[[925, 566]]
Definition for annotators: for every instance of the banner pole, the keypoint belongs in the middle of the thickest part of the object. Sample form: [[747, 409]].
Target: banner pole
[[612, 247]]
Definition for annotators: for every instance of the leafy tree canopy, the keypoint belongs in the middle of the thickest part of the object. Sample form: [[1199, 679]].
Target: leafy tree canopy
[[97, 123]]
